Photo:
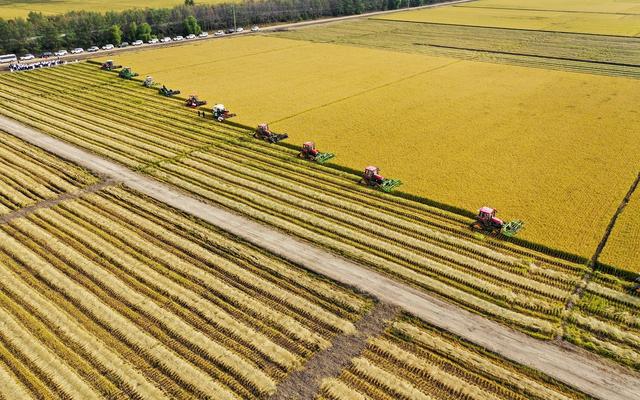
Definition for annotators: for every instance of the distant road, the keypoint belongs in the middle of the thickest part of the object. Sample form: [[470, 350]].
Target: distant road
[[271, 28], [591, 374]]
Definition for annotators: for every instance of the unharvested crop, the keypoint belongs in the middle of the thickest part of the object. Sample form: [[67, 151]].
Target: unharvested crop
[[623, 246], [517, 15]]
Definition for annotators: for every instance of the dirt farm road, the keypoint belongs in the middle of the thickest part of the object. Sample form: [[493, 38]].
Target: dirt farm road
[[591, 374]]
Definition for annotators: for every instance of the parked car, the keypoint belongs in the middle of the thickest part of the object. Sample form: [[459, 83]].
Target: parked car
[[93, 49], [165, 39], [107, 47], [60, 53], [137, 43], [153, 41], [218, 33], [255, 28], [46, 54], [191, 36], [27, 57], [77, 50], [229, 31], [124, 44], [203, 34], [241, 29], [178, 38]]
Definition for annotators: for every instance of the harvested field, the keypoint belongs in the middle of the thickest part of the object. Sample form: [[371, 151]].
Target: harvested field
[[29, 175], [534, 122], [412, 361], [513, 14], [114, 295]]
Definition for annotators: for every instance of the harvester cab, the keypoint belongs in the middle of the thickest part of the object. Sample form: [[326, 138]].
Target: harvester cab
[[109, 66], [486, 220], [148, 82], [310, 152], [127, 73], [193, 102], [165, 91], [263, 132], [221, 113], [371, 177]]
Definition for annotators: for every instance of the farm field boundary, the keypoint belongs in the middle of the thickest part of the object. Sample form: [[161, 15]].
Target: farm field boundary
[[594, 376]]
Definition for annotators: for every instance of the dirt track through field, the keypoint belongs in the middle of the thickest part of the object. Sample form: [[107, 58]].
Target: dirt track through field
[[305, 384], [586, 372]]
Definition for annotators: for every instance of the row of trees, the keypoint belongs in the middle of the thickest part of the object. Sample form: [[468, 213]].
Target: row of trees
[[39, 33]]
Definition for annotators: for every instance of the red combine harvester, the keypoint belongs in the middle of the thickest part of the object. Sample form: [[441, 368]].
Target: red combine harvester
[[263, 132], [221, 113], [371, 177], [310, 153], [193, 102], [109, 66], [487, 221]]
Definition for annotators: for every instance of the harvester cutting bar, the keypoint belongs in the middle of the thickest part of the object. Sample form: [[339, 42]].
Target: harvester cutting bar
[[322, 158], [511, 228], [390, 184]]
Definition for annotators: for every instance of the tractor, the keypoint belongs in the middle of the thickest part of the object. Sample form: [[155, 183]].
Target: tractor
[[263, 132], [193, 101], [167, 92], [148, 82], [109, 66], [127, 73], [221, 113], [310, 153], [487, 221], [371, 177]]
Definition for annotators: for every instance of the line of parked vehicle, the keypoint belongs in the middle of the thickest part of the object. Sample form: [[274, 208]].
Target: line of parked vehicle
[[93, 49]]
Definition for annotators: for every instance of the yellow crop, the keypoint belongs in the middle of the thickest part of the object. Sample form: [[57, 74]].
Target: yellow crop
[[623, 246], [555, 149], [514, 14], [15, 9]]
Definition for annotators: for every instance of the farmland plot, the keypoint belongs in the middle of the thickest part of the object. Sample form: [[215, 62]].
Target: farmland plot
[[526, 141], [425, 246], [114, 295], [623, 246], [30, 175], [594, 22], [411, 361]]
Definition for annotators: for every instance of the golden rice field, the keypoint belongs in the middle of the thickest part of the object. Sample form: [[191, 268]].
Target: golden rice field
[[529, 142], [504, 14], [623, 246], [411, 361], [20, 9], [595, 6], [29, 175], [424, 246]]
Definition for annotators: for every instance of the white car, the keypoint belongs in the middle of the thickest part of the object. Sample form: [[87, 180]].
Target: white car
[[255, 28], [77, 50], [60, 53], [27, 57], [178, 38], [166, 39], [107, 47], [137, 43], [241, 29], [191, 36], [218, 33], [93, 49], [204, 34], [153, 41]]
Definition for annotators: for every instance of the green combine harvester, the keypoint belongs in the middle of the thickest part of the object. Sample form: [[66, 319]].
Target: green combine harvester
[[165, 91], [310, 153], [371, 177], [127, 73]]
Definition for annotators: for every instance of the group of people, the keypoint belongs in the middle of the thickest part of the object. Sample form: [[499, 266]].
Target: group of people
[[40, 64]]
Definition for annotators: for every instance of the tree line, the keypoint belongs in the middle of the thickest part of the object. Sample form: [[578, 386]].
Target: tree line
[[38, 32]]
